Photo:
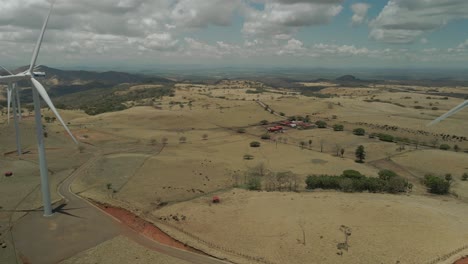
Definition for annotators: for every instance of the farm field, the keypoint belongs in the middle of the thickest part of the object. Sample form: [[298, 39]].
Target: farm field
[[169, 156]]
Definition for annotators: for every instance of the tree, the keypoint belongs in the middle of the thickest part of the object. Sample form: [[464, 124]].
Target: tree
[[387, 174], [464, 177], [241, 130], [359, 132], [47, 119], [449, 178], [264, 122], [205, 136], [360, 154], [302, 143], [254, 183], [182, 140], [436, 184], [456, 148], [321, 145], [310, 143], [342, 152], [254, 144], [338, 128], [265, 136], [164, 140], [321, 124], [338, 148], [444, 147]]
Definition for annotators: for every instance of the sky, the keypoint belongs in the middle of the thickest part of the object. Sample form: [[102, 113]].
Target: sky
[[258, 33]]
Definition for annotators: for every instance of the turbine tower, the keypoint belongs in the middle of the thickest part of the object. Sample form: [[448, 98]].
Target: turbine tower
[[450, 113], [39, 90]]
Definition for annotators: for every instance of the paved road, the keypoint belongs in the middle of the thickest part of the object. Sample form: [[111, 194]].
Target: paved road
[[78, 225]]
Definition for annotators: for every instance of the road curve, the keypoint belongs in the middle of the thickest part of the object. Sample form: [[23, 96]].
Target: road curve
[[76, 201]]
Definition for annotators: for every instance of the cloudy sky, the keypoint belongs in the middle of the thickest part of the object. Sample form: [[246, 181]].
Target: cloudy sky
[[286, 33]]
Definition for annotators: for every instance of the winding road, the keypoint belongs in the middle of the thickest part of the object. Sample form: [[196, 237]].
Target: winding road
[[78, 225]]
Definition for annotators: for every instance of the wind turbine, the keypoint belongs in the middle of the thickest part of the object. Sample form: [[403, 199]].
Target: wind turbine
[[450, 113], [39, 90]]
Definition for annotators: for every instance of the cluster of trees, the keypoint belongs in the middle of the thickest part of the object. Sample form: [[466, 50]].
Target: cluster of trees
[[438, 185], [354, 181]]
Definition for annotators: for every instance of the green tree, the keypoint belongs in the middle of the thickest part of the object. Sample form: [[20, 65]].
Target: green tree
[[338, 127], [359, 132], [436, 184], [387, 174], [444, 147], [464, 177], [342, 152], [254, 144], [360, 154], [321, 124]]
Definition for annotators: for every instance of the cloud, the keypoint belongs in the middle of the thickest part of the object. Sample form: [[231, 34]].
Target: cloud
[[360, 13], [282, 17], [405, 21]]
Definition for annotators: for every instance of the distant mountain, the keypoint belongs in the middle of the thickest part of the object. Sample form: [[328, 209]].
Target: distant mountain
[[347, 78], [56, 77]]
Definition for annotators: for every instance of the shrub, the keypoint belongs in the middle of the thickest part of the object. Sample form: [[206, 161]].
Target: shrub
[[346, 185], [436, 184], [282, 114], [321, 124], [375, 185], [385, 137], [387, 174], [464, 177], [265, 136], [254, 183], [396, 184], [338, 127], [254, 144], [322, 182], [264, 122], [352, 174], [248, 157], [359, 132], [241, 130], [444, 147]]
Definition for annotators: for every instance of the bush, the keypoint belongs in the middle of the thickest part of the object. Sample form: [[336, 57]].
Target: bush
[[444, 147], [264, 122], [254, 183], [352, 174], [375, 185], [385, 137], [241, 130], [282, 114], [265, 136], [359, 132], [254, 144], [321, 124], [338, 127], [387, 174], [248, 157], [356, 183], [464, 177], [436, 184], [396, 184]]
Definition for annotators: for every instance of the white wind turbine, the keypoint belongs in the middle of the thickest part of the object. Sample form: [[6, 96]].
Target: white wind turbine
[[450, 113], [37, 90]]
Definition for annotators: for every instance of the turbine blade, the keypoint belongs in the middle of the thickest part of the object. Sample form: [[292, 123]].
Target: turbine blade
[[46, 98], [6, 70], [39, 40], [9, 91], [449, 113]]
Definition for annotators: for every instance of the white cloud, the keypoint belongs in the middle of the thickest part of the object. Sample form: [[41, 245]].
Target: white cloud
[[405, 21], [360, 13], [282, 17]]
